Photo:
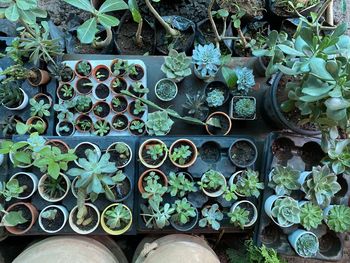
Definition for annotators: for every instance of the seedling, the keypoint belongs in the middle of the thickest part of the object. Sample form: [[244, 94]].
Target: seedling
[[181, 154]]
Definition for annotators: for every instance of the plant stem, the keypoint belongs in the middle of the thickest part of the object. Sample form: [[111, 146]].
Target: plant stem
[[329, 14], [138, 34], [211, 19]]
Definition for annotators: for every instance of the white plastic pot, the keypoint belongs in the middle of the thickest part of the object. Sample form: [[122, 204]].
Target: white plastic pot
[[143, 145], [23, 104], [58, 130], [294, 237], [255, 217], [19, 166], [97, 150], [188, 226], [34, 179], [268, 208], [73, 190], [159, 97], [48, 198], [77, 229], [231, 182], [218, 192], [65, 217], [130, 151]]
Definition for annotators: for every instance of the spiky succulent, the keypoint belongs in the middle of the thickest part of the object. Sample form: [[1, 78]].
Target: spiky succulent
[[196, 105], [311, 215], [159, 123], [286, 210], [245, 108], [206, 59], [176, 65], [284, 180], [307, 245], [10, 95], [321, 186], [245, 79], [338, 218], [215, 98]]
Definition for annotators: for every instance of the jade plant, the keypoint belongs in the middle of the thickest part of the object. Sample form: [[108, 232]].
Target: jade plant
[[215, 98], [117, 217], [249, 185], [11, 189], [179, 185], [284, 180], [239, 217], [39, 108], [338, 218], [157, 215], [286, 211], [307, 245], [245, 108], [211, 217], [176, 65], [311, 215], [159, 123], [206, 60], [184, 212]]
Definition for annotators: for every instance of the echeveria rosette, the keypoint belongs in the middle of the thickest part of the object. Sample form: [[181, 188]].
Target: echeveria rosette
[[245, 79], [311, 215], [211, 217], [207, 59], [284, 180], [287, 211], [307, 245], [159, 123], [176, 65], [338, 218]]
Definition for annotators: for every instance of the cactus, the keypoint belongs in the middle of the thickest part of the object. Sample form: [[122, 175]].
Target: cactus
[[176, 65]]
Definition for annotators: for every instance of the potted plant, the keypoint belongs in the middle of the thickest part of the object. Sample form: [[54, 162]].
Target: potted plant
[[153, 153], [211, 217], [239, 80], [156, 215], [101, 109], [213, 183], [62, 72], [83, 104], [53, 218], [118, 84], [183, 153], [185, 216], [8, 125], [64, 148], [311, 215], [65, 92], [82, 147], [53, 190], [118, 67], [101, 92], [21, 185], [138, 89], [293, 9], [85, 220], [243, 108], [136, 72], [206, 60], [284, 180], [20, 153], [120, 153], [305, 243], [283, 210], [195, 106], [166, 90], [101, 73], [119, 104], [137, 127], [11, 219], [216, 93], [83, 123], [102, 128], [35, 76], [26, 216], [152, 184], [180, 184], [243, 214], [337, 218], [137, 108], [83, 68], [84, 86], [116, 219], [159, 123], [12, 97], [176, 66], [122, 188], [218, 123], [65, 128], [243, 153], [247, 183], [120, 122], [39, 108]]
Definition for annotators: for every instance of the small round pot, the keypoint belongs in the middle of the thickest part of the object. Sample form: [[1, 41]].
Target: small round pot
[[231, 182], [80, 117], [198, 75], [268, 205], [218, 85], [99, 67], [94, 146], [118, 90], [105, 105], [131, 107], [72, 73], [294, 237], [19, 165], [61, 97], [75, 228], [222, 114], [193, 150], [187, 227], [145, 173], [247, 164], [83, 91], [121, 97], [59, 144], [118, 231], [72, 188], [37, 118], [109, 149], [255, 217], [94, 90], [80, 75], [144, 145], [23, 104], [137, 134], [34, 180], [119, 116], [140, 74], [42, 77], [41, 96], [218, 192], [48, 198], [85, 111], [159, 96], [34, 215], [65, 218], [122, 71], [72, 131]]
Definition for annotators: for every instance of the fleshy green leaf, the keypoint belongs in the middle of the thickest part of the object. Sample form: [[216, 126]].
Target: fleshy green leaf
[[86, 32], [107, 20], [11, 13], [81, 4], [113, 5]]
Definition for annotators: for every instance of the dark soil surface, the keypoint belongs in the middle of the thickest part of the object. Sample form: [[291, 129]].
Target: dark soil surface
[[25, 180], [122, 86], [210, 152], [132, 107], [104, 74], [139, 75], [243, 152], [105, 109], [123, 105], [122, 189], [53, 224], [282, 148], [102, 91], [84, 89], [115, 157], [80, 151], [26, 214]]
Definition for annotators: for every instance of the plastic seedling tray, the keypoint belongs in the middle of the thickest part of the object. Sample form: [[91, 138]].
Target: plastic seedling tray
[[94, 63], [199, 199], [70, 201], [302, 153]]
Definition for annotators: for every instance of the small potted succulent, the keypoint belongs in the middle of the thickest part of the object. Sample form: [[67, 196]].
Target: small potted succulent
[[26, 215], [101, 92], [101, 109], [137, 127], [40, 105], [284, 180], [137, 109], [155, 215], [21, 185], [243, 108], [83, 104], [243, 153], [216, 93], [138, 89], [247, 183], [185, 216], [82, 147], [206, 60], [12, 97], [180, 184], [305, 243], [84, 86], [211, 217], [195, 106], [153, 153], [53, 218], [183, 153], [136, 72], [64, 148], [35, 76], [120, 122], [311, 215], [118, 67], [65, 128], [239, 80], [33, 124], [83, 123], [53, 189], [102, 128], [159, 123], [166, 90], [120, 153], [243, 214], [218, 123], [116, 219], [152, 184], [65, 92], [122, 188], [213, 183], [283, 210], [118, 85], [67, 74], [176, 66], [119, 104], [83, 68], [337, 218], [85, 220]]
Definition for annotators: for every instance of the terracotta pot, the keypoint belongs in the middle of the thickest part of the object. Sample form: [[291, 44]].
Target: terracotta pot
[[152, 142], [145, 173], [131, 113], [36, 118], [138, 119], [55, 142], [116, 116], [99, 103], [122, 98], [42, 75], [37, 98], [77, 73], [79, 118], [121, 73], [140, 68], [79, 92], [193, 150], [113, 89], [34, 215], [57, 207], [59, 96], [97, 68], [225, 115], [73, 75]]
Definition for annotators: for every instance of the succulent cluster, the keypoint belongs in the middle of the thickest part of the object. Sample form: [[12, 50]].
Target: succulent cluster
[[179, 185], [284, 180], [176, 65], [245, 108], [215, 98], [286, 210], [239, 217], [311, 215], [207, 60], [338, 218], [10, 95], [245, 79], [248, 184], [159, 123], [307, 245], [184, 211], [211, 217]]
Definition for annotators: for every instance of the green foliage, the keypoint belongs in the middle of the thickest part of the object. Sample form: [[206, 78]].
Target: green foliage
[[286, 210], [291, 6], [215, 98], [338, 219], [184, 211], [181, 154], [230, 193], [159, 123], [39, 108], [14, 73], [248, 184], [156, 151], [245, 108], [102, 128], [321, 187], [157, 216], [139, 107], [137, 87], [138, 126], [307, 245], [284, 180], [211, 217], [24, 11], [196, 105], [176, 65], [83, 103], [84, 68], [166, 89], [207, 59], [123, 150], [117, 217], [38, 126], [10, 95], [239, 217], [53, 187], [64, 110], [87, 31], [49, 214], [241, 79], [179, 185], [212, 180], [84, 125], [11, 189], [153, 189], [311, 215], [12, 218], [118, 67]]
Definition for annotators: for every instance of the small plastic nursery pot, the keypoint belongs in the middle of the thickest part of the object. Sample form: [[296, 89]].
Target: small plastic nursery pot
[[294, 237], [122, 107], [186, 227], [46, 98], [29, 212], [101, 92], [268, 206], [20, 165], [143, 153], [81, 119], [69, 125], [45, 196], [132, 106], [115, 157], [84, 86], [225, 123], [234, 178], [80, 74], [82, 147], [163, 179], [42, 77], [220, 86], [245, 204], [106, 109], [122, 70], [245, 150], [84, 230], [138, 132], [217, 193], [30, 180], [117, 231], [234, 115], [120, 122], [166, 90], [71, 74], [140, 73], [59, 144], [61, 94], [23, 104], [191, 159], [74, 189], [54, 225], [119, 87], [34, 120], [207, 78], [101, 73]]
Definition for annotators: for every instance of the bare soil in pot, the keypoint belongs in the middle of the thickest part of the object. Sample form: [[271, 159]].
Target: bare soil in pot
[[55, 224], [330, 244], [132, 108], [102, 91], [210, 152], [69, 74], [225, 125], [103, 72], [122, 85], [80, 120], [80, 151], [62, 94], [147, 158], [70, 126], [84, 86], [139, 75], [120, 122], [242, 153], [122, 105], [26, 214], [91, 213], [271, 234], [104, 107], [312, 153], [25, 180], [282, 148], [121, 190]]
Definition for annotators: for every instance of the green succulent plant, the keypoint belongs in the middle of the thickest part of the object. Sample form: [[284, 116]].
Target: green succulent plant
[[84, 68], [102, 128], [211, 217], [12, 218], [139, 107], [39, 108], [10, 95], [153, 189], [284, 180], [176, 65], [207, 60], [245, 108], [117, 217], [64, 110], [156, 151], [338, 218], [157, 216], [195, 105], [181, 154], [212, 180], [83, 103], [137, 87], [307, 245], [245, 79], [230, 193], [138, 126], [49, 214], [239, 217], [179, 185], [159, 123], [215, 98], [287, 211], [11, 189], [248, 184], [184, 211], [311, 215]]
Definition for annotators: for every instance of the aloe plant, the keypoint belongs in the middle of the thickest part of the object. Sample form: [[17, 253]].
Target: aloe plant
[[284, 180]]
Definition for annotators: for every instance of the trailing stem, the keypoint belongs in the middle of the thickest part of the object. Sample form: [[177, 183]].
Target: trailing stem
[[138, 36]]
